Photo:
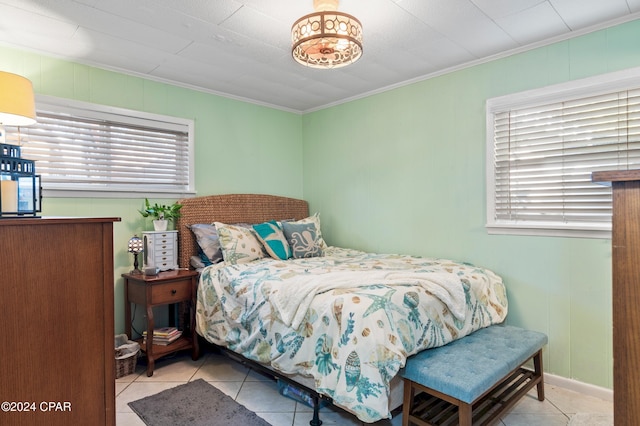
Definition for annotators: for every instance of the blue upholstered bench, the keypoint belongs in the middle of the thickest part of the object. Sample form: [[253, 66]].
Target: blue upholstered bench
[[475, 378]]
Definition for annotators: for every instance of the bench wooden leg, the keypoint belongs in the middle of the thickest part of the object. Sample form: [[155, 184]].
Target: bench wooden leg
[[464, 414], [408, 402], [537, 366]]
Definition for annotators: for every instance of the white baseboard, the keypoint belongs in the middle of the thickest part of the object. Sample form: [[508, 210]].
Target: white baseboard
[[576, 386]]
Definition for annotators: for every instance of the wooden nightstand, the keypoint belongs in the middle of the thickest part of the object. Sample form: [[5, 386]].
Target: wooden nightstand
[[163, 289]]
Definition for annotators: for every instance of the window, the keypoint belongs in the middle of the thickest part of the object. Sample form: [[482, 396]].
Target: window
[[85, 149], [543, 146]]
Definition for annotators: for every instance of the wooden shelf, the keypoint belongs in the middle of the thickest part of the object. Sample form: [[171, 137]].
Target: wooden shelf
[[159, 350], [431, 410]]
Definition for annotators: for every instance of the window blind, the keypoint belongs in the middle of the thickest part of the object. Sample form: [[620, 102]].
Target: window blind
[[544, 155], [79, 149]]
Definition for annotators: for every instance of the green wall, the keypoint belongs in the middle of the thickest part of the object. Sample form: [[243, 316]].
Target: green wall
[[404, 171], [239, 147]]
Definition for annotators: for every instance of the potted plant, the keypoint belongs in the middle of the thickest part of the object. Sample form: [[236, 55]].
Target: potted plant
[[160, 213]]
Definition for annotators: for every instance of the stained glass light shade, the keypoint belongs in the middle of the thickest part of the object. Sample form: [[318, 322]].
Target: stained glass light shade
[[136, 247]]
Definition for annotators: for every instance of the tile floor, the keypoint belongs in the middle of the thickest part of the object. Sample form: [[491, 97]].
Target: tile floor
[[259, 393]]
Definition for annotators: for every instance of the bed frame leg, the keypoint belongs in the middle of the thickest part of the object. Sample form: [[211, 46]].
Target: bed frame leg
[[316, 412]]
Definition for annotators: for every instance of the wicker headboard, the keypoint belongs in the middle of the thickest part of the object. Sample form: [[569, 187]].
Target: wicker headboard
[[231, 208]]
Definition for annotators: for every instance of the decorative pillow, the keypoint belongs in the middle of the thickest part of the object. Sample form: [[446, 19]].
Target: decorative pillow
[[304, 239], [315, 219], [208, 241], [204, 259], [239, 244], [272, 238], [198, 262]]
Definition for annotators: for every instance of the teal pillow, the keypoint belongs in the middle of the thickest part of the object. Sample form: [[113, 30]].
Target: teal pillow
[[304, 239], [272, 238]]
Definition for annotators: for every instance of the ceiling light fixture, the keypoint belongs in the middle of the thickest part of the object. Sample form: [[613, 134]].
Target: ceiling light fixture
[[326, 38]]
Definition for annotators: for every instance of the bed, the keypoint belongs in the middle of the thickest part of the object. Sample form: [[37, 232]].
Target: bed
[[340, 322]]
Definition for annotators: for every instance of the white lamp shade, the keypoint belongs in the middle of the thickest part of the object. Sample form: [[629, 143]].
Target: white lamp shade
[[17, 104]]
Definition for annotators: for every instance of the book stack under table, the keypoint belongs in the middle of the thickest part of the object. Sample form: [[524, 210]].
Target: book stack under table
[[163, 336]]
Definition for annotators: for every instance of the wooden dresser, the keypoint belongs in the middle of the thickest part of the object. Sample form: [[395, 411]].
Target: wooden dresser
[[57, 326], [625, 240]]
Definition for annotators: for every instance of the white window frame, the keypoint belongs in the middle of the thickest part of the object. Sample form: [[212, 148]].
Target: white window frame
[[120, 115], [592, 86]]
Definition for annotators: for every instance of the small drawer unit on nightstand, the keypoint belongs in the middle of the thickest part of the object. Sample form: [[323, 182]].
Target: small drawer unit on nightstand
[[161, 249]]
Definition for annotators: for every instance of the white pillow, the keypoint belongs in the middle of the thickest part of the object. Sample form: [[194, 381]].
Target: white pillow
[[239, 245]]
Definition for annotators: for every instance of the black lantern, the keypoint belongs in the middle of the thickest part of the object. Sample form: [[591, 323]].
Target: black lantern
[[20, 190]]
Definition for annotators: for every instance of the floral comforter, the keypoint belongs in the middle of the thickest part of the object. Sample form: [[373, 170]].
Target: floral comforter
[[316, 317]]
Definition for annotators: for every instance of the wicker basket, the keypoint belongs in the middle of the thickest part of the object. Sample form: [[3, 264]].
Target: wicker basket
[[125, 365], [126, 352]]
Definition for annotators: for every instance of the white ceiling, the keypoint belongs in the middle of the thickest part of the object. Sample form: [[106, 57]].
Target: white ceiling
[[241, 48]]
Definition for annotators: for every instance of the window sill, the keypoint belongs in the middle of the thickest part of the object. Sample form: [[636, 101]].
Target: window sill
[[549, 230]]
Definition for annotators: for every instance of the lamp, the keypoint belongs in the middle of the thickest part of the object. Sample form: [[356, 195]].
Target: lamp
[[20, 192], [17, 105], [136, 247], [326, 38]]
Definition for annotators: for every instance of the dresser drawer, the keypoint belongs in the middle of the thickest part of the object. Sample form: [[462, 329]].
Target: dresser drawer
[[164, 260], [160, 246], [170, 292], [163, 251], [164, 264], [166, 241]]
